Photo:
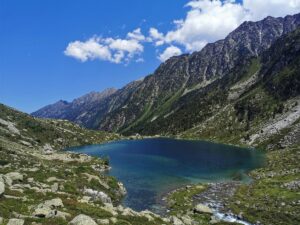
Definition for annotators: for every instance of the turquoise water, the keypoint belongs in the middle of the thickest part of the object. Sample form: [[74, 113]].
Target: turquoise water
[[151, 167]]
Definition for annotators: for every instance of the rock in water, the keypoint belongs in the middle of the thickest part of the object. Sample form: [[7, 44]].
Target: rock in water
[[83, 220]]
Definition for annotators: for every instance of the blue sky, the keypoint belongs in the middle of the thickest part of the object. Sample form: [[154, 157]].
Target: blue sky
[[37, 68]]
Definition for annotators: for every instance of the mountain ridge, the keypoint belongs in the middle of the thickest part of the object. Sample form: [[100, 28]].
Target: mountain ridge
[[156, 96]]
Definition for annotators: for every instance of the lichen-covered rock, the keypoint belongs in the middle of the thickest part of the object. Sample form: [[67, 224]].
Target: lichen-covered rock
[[82, 220]]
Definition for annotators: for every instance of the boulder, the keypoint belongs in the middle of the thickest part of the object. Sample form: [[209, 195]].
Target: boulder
[[98, 195], [15, 222], [82, 220], [14, 176], [200, 208], [48, 209]]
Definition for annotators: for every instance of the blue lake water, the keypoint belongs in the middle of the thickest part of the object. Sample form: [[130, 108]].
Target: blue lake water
[[151, 167]]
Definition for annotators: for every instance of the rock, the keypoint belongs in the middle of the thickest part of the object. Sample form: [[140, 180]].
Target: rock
[[83, 220], [128, 212], [30, 180], [15, 222], [62, 215], [122, 190], [56, 202], [47, 149], [43, 212], [293, 185], [85, 199], [14, 176], [200, 208], [175, 221], [103, 221], [98, 195], [187, 220], [6, 180], [2, 188], [48, 209], [109, 208], [114, 220], [54, 187]]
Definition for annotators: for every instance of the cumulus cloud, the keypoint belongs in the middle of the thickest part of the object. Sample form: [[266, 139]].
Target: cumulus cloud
[[210, 20], [169, 52], [115, 50], [260, 9], [156, 37], [91, 49]]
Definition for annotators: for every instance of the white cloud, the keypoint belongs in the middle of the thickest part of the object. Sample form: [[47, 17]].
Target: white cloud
[[169, 52], [136, 35], [260, 9], [91, 49], [156, 37], [211, 20], [115, 50]]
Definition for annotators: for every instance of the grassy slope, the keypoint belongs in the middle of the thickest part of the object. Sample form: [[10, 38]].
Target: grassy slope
[[21, 151]]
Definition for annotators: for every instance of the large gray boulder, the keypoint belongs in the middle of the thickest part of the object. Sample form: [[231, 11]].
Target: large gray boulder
[[82, 220]]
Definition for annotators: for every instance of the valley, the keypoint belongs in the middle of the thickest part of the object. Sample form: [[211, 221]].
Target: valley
[[243, 91]]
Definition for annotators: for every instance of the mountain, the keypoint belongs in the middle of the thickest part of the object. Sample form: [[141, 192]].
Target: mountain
[[80, 110], [177, 96]]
